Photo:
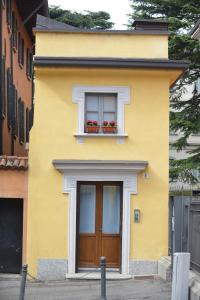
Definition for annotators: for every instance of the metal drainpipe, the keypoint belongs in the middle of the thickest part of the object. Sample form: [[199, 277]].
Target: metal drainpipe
[[1, 95]]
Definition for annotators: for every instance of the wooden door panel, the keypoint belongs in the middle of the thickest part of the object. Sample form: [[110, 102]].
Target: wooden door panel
[[111, 250], [105, 238], [87, 253]]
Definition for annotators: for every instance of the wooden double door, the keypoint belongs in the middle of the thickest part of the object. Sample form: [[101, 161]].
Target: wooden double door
[[99, 224]]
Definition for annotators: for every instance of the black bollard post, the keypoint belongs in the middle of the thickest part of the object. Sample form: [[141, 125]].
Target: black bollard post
[[103, 277], [23, 282]]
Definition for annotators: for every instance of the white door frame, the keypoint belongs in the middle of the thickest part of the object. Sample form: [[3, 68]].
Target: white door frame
[[99, 172]]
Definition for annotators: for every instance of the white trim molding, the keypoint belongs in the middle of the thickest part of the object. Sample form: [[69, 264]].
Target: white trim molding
[[80, 170], [123, 97]]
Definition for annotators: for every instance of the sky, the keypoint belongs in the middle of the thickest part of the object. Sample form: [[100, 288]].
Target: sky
[[117, 9]]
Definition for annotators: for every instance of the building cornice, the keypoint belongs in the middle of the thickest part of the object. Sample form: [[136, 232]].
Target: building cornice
[[105, 32], [98, 165], [46, 61]]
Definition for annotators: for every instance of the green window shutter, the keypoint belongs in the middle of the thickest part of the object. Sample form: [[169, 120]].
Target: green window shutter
[[22, 52], [27, 61], [12, 107], [13, 28], [27, 125], [30, 64], [16, 114], [3, 91], [9, 98], [21, 121], [31, 112], [19, 47], [9, 11]]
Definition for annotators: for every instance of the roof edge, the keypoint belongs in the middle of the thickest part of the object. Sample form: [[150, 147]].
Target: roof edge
[[128, 32], [44, 61]]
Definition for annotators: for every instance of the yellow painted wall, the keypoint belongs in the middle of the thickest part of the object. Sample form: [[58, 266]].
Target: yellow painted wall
[[101, 45], [52, 137]]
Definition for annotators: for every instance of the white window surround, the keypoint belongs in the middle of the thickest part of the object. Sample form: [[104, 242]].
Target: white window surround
[[123, 97], [123, 171]]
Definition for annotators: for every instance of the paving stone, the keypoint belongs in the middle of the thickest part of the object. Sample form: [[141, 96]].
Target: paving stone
[[149, 289]]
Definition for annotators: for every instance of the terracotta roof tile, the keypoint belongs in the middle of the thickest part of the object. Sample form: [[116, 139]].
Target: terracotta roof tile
[[13, 162]]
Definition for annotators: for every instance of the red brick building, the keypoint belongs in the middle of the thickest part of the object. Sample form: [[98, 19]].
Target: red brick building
[[17, 19]]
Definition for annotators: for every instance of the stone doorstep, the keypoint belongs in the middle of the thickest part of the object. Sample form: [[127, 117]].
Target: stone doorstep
[[97, 276], [145, 277]]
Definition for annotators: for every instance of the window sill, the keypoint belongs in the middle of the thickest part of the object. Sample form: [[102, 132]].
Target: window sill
[[119, 136]]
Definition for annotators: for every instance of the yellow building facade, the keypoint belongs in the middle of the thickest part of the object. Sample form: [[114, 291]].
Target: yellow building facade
[[95, 194]]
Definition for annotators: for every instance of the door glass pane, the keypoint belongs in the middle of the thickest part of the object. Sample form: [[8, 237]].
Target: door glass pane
[[111, 209], [87, 208]]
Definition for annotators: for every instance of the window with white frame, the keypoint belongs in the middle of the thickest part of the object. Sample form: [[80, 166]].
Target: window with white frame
[[101, 104], [101, 110]]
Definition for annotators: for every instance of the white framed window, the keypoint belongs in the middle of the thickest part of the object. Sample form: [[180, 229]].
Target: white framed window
[[101, 103]]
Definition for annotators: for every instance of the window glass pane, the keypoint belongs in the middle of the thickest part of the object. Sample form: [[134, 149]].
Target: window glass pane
[[92, 116], [92, 103], [109, 117], [87, 208], [111, 209], [109, 104]]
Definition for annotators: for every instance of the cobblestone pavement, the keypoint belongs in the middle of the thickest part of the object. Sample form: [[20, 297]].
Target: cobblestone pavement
[[152, 289]]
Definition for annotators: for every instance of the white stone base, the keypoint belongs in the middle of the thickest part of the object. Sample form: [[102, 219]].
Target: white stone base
[[52, 269], [143, 267], [164, 268]]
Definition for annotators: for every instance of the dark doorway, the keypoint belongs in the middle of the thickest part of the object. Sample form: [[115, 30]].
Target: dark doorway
[[99, 223], [11, 228]]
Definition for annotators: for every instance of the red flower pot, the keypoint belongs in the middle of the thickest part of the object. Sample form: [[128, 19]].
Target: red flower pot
[[92, 129], [109, 129]]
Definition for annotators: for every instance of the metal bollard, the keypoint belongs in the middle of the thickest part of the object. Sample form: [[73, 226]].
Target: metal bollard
[[23, 282], [103, 277]]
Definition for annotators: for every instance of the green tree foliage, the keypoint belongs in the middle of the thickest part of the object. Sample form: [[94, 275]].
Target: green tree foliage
[[185, 114], [85, 20]]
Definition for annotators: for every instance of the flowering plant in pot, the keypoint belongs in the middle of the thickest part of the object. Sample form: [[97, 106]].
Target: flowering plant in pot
[[92, 126], [109, 127]]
